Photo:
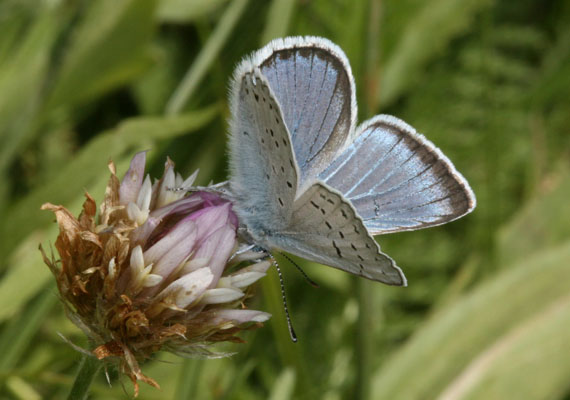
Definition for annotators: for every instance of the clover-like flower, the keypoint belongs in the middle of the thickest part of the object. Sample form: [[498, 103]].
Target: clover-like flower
[[156, 270]]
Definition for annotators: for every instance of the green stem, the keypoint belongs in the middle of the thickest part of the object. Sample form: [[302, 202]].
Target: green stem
[[289, 352], [364, 340], [87, 370], [189, 378]]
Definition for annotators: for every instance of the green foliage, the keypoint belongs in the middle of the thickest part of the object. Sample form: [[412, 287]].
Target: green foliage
[[486, 313]]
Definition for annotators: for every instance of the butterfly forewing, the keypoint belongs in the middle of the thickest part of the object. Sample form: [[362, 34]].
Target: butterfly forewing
[[312, 82], [325, 228], [398, 180], [264, 172]]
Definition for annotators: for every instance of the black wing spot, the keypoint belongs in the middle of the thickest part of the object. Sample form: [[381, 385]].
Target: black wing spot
[[282, 169], [361, 267], [353, 246], [291, 162], [274, 171], [262, 140], [330, 201], [277, 120], [267, 176], [276, 144], [323, 211], [263, 98], [377, 258], [359, 257], [256, 97], [356, 230], [322, 196], [246, 91], [367, 246], [280, 201], [338, 252], [341, 234], [315, 205], [328, 225], [284, 143], [245, 133], [271, 131], [289, 184], [344, 214], [270, 106]]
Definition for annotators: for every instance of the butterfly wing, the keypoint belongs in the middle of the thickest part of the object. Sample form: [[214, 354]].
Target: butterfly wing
[[313, 83], [320, 225], [263, 172], [398, 180], [325, 228]]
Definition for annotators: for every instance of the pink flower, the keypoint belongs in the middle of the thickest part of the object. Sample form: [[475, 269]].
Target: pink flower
[[151, 272]]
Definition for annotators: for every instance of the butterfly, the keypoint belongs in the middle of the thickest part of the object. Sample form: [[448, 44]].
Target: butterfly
[[306, 180]]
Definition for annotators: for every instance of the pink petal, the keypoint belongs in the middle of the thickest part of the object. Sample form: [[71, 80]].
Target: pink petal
[[215, 250], [211, 199], [141, 234], [172, 249], [185, 205], [224, 241], [132, 182], [211, 219]]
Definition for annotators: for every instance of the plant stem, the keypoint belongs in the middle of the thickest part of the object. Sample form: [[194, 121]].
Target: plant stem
[[87, 370], [189, 378], [364, 340]]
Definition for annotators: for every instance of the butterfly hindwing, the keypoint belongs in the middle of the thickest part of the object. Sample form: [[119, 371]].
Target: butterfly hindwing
[[325, 228], [313, 83], [397, 180], [263, 167]]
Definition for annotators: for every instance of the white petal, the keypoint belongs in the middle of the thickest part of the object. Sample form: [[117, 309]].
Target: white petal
[[261, 317], [147, 269], [145, 195], [241, 316], [247, 256], [112, 268], [190, 180], [178, 180], [137, 261], [136, 214], [165, 195], [152, 280], [261, 266], [221, 295], [195, 263], [245, 279], [225, 281], [133, 211], [187, 289]]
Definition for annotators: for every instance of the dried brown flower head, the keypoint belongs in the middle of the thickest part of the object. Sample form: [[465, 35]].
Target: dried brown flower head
[[155, 270]]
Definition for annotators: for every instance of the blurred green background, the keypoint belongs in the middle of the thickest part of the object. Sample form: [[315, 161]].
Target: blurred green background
[[487, 311]]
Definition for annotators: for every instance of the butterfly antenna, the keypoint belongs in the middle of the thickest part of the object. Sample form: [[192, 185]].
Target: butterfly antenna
[[289, 324], [311, 282]]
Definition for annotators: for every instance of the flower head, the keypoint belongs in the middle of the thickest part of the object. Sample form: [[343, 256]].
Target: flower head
[[157, 269]]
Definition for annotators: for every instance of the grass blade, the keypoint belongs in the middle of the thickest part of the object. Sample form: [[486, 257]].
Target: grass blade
[[206, 57]]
